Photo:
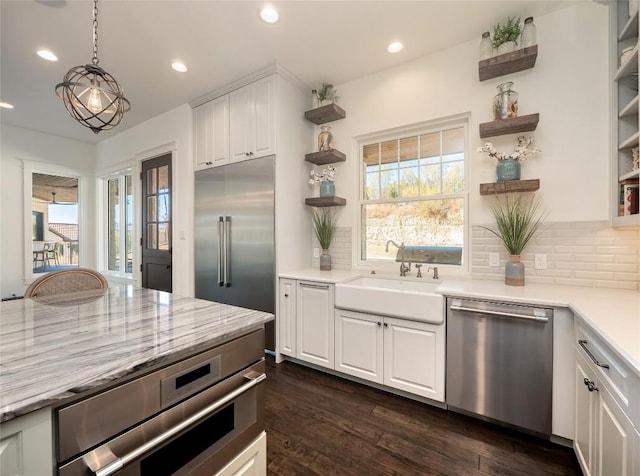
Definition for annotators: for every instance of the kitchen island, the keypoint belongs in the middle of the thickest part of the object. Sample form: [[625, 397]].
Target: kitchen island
[[57, 350]]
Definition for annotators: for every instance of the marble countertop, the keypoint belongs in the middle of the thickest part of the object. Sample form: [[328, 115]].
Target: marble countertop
[[613, 314], [53, 349], [314, 274]]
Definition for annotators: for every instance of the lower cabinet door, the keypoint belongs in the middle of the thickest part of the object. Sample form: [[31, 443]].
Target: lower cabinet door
[[414, 357], [359, 344], [315, 323], [252, 461], [286, 319], [584, 434], [615, 437]]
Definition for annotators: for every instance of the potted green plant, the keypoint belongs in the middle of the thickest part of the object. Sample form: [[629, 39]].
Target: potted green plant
[[324, 226], [325, 94], [518, 221], [505, 37]]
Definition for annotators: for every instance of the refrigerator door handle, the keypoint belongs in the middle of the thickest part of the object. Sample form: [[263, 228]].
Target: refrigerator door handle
[[227, 252], [221, 247]]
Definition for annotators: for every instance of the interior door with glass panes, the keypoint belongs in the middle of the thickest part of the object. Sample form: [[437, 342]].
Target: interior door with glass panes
[[156, 223]]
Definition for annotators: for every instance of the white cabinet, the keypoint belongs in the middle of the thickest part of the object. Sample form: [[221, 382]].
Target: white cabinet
[[605, 437], [252, 120], [211, 133], [315, 323], [636, 452], [414, 357], [287, 317], [252, 461], [585, 418], [26, 445], [359, 344], [402, 354]]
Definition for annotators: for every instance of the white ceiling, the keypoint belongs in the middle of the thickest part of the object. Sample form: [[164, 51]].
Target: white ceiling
[[220, 42]]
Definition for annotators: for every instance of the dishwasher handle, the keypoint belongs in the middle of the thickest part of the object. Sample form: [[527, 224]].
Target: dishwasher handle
[[455, 307]]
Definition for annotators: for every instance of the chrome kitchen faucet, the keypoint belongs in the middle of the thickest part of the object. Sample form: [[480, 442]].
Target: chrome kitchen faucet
[[403, 269]]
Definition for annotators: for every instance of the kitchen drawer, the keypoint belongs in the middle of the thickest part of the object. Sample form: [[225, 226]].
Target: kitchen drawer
[[619, 377]]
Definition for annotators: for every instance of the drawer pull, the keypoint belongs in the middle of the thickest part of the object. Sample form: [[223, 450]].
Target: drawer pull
[[583, 344]]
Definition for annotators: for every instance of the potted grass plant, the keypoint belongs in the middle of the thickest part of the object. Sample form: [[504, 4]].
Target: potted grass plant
[[518, 221], [324, 226], [505, 37]]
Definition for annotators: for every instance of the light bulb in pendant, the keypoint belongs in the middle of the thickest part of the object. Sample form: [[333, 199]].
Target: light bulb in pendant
[[95, 102]]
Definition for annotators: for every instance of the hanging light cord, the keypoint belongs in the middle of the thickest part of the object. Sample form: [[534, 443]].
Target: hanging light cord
[[95, 59]]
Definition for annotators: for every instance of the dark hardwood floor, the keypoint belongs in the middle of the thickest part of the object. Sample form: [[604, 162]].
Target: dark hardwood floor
[[321, 424]]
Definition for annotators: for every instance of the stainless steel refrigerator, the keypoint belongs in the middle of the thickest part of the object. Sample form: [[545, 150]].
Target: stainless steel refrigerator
[[235, 237]]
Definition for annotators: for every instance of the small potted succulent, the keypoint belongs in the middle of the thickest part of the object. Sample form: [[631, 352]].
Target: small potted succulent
[[505, 37]]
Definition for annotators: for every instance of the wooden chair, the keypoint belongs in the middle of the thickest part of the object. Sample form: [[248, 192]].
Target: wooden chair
[[66, 281]]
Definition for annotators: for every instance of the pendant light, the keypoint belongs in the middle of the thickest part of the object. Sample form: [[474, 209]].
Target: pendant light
[[91, 95]]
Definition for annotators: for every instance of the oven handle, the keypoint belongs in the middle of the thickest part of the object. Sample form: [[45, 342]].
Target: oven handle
[[254, 379]]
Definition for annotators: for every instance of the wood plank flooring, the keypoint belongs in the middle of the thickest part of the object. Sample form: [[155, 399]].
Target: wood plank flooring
[[318, 424]]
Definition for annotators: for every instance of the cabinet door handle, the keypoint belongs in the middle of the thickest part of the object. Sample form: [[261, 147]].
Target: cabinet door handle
[[386, 325], [591, 385], [379, 323], [583, 344], [317, 286], [286, 295]]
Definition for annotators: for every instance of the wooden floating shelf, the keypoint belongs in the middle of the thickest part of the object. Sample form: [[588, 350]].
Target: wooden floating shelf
[[332, 201], [509, 126], [512, 62], [325, 157], [509, 186], [323, 114]]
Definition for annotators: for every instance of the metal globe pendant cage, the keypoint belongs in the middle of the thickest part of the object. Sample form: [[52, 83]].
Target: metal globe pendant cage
[[91, 95]]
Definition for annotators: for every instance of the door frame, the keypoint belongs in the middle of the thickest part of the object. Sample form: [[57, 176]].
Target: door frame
[[152, 153], [29, 168]]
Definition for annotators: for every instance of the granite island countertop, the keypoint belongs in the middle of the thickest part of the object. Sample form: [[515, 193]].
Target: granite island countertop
[[53, 348]]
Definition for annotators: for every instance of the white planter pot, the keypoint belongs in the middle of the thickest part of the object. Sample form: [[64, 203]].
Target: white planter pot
[[507, 47]]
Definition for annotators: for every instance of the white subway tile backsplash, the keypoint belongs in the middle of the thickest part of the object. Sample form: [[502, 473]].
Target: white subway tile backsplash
[[579, 254]]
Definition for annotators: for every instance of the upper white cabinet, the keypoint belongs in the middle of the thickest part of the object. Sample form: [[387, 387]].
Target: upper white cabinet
[[236, 126], [402, 354], [625, 131], [252, 120], [211, 133]]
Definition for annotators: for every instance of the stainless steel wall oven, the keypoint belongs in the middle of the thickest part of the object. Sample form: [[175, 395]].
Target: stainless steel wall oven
[[189, 418]]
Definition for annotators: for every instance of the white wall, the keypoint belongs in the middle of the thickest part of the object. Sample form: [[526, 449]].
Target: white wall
[[168, 132], [46, 153], [568, 86]]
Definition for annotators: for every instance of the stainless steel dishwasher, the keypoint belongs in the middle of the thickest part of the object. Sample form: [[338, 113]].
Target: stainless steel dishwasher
[[500, 362]]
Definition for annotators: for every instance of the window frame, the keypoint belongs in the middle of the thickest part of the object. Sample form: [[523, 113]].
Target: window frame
[[120, 175], [423, 128]]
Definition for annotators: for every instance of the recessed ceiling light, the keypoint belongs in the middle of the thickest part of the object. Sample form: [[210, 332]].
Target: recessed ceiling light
[[179, 67], [6, 105], [48, 55], [395, 47], [269, 15]]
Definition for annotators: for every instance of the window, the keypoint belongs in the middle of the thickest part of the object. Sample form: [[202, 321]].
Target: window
[[413, 192], [120, 223]]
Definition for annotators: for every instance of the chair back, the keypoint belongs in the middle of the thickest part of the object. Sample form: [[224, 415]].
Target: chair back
[[66, 281]]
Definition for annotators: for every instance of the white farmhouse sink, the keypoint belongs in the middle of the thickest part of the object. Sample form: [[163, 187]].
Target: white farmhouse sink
[[415, 300]]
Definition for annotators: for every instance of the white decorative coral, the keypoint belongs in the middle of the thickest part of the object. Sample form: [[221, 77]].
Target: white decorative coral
[[520, 152]]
